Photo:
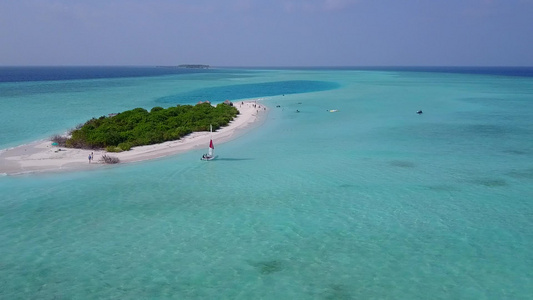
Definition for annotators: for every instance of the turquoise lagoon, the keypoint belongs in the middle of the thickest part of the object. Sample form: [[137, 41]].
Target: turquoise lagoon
[[370, 202]]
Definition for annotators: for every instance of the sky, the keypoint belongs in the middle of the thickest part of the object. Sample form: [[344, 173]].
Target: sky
[[271, 33]]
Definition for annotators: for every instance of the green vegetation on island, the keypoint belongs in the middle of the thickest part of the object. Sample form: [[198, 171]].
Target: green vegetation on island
[[139, 127]]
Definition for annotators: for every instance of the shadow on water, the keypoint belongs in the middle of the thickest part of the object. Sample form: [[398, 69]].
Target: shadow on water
[[234, 159]]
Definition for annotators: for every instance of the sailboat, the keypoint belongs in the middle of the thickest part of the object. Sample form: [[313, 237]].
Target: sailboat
[[211, 150]]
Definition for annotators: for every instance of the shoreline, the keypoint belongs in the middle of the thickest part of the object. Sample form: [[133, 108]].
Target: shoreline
[[40, 156]]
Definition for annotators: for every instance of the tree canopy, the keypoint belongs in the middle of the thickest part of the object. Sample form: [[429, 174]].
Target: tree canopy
[[139, 127]]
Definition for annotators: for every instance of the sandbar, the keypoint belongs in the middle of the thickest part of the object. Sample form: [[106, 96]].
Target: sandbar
[[42, 156]]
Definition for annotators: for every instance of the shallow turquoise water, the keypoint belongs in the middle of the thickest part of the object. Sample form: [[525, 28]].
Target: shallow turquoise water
[[372, 201]]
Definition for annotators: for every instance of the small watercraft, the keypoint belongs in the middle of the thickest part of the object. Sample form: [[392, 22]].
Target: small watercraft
[[210, 155]]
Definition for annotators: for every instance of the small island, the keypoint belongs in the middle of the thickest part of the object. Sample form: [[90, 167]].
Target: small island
[[49, 156], [186, 66], [194, 66], [139, 127]]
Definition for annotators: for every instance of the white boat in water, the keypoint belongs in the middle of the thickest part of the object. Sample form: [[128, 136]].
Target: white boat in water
[[210, 155]]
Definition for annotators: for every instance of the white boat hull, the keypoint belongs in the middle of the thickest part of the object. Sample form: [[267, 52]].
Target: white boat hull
[[208, 157]]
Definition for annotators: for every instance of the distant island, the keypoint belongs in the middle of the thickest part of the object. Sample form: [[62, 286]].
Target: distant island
[[187, 66], [194, 66], [138, 127]]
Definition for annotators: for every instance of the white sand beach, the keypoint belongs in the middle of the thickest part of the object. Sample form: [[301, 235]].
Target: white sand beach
[[41, 156]]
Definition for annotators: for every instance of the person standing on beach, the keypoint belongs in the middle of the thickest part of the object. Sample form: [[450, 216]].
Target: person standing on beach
[[90, 157]]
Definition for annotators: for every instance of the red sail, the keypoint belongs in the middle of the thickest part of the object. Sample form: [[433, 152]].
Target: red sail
[[211, 145]]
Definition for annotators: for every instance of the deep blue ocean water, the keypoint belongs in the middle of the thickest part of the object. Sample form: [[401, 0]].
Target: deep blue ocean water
[[370, 202], [50, 73]]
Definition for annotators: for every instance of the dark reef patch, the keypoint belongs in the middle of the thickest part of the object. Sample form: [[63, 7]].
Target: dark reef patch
[[337, 291], [269, 266], [442, 188], [460, 133], [252, 90], [346, 185], [516, 152], [402, 164], [489, 182], [527, 173]]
